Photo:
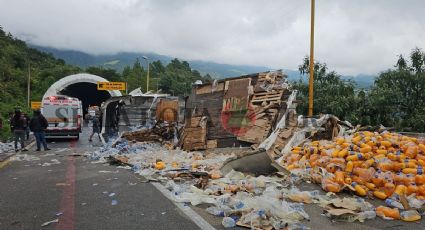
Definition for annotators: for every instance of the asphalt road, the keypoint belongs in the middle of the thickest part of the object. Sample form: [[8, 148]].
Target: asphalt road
[[83, 195], [32, 194]]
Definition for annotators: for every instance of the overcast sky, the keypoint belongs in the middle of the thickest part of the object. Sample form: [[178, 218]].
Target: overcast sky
[[352, 36]]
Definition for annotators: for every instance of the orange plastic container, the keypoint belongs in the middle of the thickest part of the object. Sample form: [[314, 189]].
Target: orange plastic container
[[388, 188], [387, 144], [331, 186], [349, 167], [393, 213], [360, 190], [412, 188], [420, 179], [339, 177], [380, 195]]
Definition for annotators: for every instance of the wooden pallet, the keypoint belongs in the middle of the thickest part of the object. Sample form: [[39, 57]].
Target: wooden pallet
[[275, 95]]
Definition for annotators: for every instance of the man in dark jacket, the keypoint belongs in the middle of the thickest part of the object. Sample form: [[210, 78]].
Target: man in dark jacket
[[18, 127], [38, 124]]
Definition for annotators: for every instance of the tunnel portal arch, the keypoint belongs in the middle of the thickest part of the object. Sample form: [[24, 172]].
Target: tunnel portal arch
[[63, 83]]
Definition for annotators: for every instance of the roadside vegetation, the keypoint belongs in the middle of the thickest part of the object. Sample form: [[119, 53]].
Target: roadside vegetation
[[397, 98]]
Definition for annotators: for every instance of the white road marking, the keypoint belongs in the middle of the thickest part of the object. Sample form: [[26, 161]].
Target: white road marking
[[195, 217]]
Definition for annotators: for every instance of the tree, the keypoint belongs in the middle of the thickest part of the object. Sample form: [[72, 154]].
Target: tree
[[331, 93], [398, 96], [178, 78], [108, 74]]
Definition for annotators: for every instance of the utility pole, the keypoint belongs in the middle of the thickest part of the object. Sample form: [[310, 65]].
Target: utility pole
[[311, 81], [29, 86], [147, 77]]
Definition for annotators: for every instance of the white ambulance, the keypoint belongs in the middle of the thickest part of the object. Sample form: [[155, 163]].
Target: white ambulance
[[64, 115]]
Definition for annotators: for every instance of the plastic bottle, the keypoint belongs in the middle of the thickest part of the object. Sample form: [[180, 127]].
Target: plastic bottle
[[355, 157], [339, 177], [349, 166], [368, 163], [388, 188], [382, 151], [420, 179], [343, 153], [411, 188], [393, 213], [380, 194], [370, 186], [410, 215], [359, 189], [412, 171], [366, 149], [330, 186], [239, 205], [409, 179], [386, 144], [366, 215], [399, 178], [415, 203], [393, 203], [228, 222], [215, 211], [377, 179]]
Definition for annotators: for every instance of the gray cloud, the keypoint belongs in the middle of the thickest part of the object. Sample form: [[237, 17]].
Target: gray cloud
[[351, 36]]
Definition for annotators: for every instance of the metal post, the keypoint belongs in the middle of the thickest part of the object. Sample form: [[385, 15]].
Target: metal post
[[311, 81], [147, 77], [29, 86], [147, 80]]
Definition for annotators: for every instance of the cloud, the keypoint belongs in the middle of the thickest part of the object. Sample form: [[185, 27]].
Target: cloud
[[352, 37]]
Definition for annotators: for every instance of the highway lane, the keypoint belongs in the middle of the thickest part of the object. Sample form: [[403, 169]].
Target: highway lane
[[81, 195]]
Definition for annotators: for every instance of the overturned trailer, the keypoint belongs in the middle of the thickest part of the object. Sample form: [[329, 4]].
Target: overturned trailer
[[234, 112]]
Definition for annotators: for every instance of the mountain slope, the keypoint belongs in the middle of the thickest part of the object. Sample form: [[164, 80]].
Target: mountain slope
[[120, 60]]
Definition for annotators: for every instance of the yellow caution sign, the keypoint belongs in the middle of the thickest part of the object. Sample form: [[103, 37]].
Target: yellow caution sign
[[35, 104], [111, 86]]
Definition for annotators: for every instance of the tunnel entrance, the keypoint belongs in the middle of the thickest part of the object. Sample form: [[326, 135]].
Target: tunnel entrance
[[87, 92]]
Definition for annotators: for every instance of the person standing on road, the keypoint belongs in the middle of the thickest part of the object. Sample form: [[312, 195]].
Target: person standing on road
[[96, 127], [18, 127], [38, 124], [27, 126]]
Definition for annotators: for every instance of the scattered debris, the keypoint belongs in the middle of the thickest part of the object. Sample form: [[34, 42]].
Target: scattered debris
[[62, 184], [162, 131], [50, 222], [61, 150], [257, 186], [106, 171], [24, 157], [52, 162], [6, 147]]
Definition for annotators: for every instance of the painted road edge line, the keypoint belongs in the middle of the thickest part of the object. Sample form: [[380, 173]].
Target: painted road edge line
[[6, 161], [195, 217]]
